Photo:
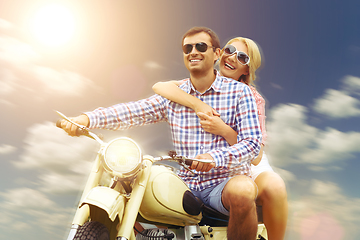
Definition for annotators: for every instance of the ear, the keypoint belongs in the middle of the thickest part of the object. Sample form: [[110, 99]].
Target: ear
[[217, 54], [247, 71]]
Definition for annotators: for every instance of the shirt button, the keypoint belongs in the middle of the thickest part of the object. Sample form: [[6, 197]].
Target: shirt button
[[201, 147], [202, 130]]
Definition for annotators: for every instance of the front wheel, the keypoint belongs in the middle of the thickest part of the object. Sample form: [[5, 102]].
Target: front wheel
[[93, 231]]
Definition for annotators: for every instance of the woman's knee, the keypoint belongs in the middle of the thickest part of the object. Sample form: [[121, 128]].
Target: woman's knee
[[271, 186]]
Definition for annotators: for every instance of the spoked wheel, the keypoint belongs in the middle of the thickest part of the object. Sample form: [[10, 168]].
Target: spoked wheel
[[93, 231]]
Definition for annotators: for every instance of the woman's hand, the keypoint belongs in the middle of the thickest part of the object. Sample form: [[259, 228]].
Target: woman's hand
[[201, 107], [214, 125], [211, 124]]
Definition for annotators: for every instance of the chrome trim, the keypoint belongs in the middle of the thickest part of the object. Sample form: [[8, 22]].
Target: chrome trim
[[121, 238], [73, 231]]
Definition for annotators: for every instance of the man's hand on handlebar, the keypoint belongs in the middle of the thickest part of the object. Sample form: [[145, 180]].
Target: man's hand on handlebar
[[72, 129], [202, 167]]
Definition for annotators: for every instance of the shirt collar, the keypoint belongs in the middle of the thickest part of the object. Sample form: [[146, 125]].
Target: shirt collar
[[215, 86]]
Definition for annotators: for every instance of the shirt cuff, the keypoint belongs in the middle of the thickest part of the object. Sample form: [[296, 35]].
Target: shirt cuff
[[92, 119]]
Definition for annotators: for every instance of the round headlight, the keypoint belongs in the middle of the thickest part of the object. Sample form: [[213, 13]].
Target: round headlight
[[122, 157]]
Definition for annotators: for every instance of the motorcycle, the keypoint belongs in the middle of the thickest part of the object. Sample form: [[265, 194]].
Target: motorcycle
[[142, 189]]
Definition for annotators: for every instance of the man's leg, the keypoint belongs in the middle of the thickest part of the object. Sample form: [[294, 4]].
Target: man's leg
[[238, 197]]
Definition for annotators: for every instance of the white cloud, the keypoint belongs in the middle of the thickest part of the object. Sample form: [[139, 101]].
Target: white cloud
[[153, 65], [275, 85], [23, 74], [293, 141], [340, 103], [324, 213], [64, 183], [6, 149], [60, 220], [351, 84], [325, 189], [16, 53], [337, 104], [61, 82], [289, 134], [7, 82], [24, 199], [287, 176], [24, 209], [62, 161], [47, 146], [332, 145]]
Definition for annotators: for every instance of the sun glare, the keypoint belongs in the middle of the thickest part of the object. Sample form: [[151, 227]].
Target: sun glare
[[53, 25]]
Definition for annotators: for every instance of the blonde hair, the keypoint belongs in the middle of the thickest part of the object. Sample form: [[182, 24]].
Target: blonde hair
[[255, 59]]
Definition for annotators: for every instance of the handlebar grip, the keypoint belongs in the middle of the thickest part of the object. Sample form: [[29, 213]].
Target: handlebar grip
[[188, 162]]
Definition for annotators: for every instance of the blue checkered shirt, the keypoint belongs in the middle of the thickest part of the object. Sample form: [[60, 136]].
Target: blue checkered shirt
[[237, 108]]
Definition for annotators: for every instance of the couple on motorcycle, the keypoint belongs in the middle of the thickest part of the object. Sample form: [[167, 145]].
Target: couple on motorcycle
[[225, 184]]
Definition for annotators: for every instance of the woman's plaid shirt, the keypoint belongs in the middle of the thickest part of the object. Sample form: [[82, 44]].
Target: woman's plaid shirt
[[234, 102]]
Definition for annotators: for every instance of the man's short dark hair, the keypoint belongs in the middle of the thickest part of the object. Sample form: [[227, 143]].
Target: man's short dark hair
[[195, 30]]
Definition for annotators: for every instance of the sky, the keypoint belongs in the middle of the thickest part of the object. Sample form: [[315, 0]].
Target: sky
[[99, 53]]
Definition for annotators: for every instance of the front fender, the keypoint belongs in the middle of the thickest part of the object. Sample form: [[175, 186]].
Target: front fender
[[107, 199]]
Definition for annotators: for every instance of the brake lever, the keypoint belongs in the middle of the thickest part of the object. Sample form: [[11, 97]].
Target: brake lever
[[178, 159], [182, 163]]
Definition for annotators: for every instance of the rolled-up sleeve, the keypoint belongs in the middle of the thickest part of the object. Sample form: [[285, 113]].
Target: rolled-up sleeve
[[126, 115]]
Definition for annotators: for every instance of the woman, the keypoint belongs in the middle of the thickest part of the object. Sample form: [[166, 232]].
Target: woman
[[239, 60]]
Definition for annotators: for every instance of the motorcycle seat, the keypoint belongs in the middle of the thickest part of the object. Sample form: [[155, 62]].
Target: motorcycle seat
[[193, 206], [212, 217]]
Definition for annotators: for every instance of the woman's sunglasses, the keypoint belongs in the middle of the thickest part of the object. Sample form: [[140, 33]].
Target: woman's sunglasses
[[201, 47], [242, 57]]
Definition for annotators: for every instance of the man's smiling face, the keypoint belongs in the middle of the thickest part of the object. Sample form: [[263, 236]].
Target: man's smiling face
[[199, 62]]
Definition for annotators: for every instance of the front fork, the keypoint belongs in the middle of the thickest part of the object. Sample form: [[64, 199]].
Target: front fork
[[132, 207], [82, 213], [126, 231]]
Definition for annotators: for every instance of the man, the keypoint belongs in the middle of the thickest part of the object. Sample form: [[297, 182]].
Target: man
[[223, 184]]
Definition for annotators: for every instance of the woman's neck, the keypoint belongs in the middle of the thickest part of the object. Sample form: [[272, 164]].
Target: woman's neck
[[235, 80]]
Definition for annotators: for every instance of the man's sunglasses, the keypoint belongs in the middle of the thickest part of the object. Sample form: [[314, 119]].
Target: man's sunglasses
[[242, 57], [201, 47]]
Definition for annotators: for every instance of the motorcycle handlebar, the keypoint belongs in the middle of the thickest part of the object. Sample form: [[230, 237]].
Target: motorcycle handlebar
[[81, 131], [187, 161]]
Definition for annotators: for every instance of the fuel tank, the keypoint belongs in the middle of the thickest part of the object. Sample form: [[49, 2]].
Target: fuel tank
[[167, 199]]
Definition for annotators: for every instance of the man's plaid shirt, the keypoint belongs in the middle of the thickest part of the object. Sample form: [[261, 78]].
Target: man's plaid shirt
[[237, 107]]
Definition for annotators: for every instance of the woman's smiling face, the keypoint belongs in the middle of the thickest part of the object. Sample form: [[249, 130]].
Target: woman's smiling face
[[229, 65]]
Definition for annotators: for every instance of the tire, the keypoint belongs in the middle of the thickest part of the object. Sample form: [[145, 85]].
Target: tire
[[92, 231]]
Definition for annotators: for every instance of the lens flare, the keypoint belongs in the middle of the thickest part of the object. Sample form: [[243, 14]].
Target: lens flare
[[53, 25]]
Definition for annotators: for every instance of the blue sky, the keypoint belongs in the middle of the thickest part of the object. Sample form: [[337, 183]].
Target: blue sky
[[310, 78]]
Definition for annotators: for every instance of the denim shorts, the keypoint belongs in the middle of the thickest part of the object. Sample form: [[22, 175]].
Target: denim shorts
[[212, 197]]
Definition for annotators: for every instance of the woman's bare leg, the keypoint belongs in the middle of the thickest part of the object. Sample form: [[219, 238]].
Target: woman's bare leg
[[273, 198]]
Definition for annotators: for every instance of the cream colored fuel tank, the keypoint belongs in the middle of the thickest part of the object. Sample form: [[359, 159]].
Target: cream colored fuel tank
[[163, 199]]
